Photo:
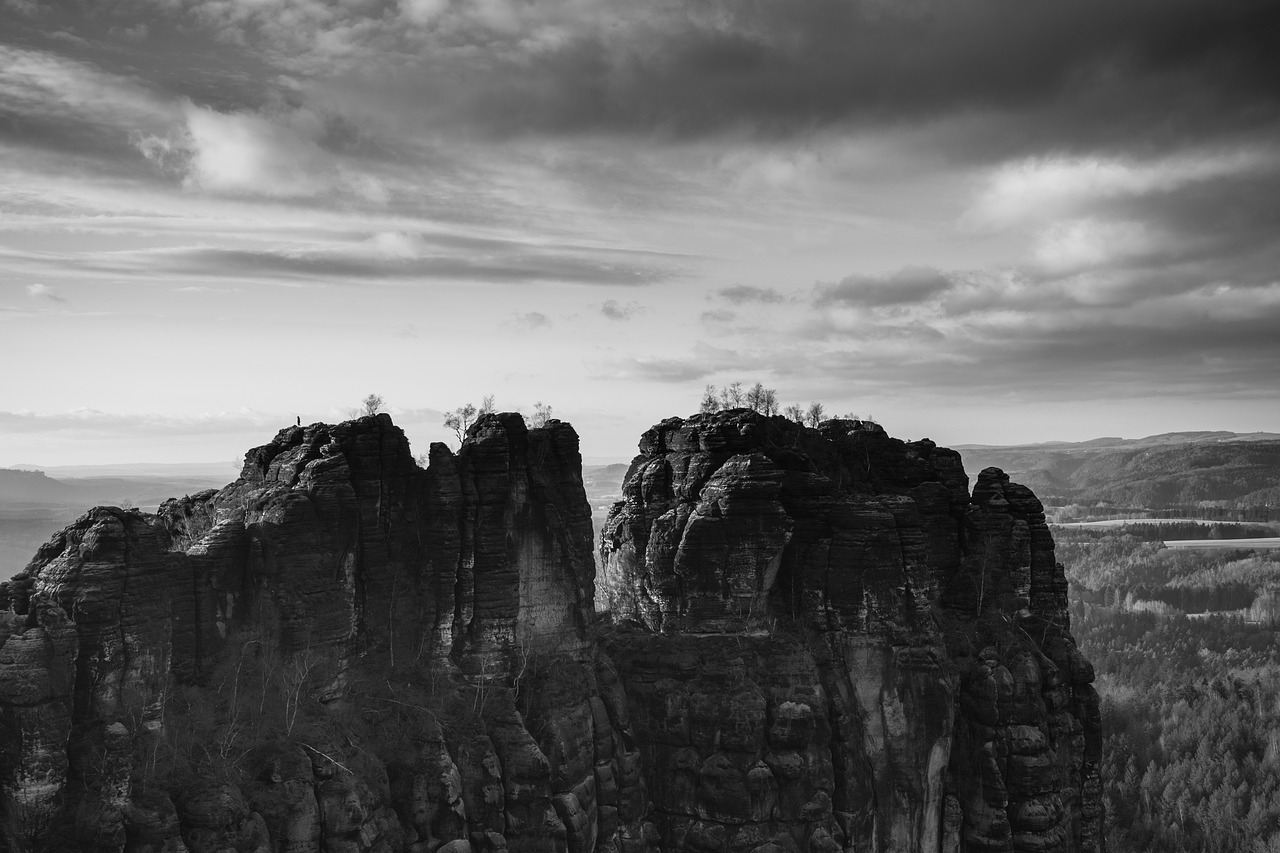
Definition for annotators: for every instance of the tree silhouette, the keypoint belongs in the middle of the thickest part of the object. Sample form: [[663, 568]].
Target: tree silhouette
[[371, 405], [464, 416]]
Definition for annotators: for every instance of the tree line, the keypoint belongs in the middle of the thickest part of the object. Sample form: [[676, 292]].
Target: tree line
[[765, 401]]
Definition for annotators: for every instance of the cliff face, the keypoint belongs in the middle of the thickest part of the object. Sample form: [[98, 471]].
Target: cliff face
[[854, 652], [821, 642]]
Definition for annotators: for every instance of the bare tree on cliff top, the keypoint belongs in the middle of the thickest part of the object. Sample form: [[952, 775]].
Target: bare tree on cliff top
[[815, 415], [371, 405], [464, 416], [794, 412], [761, 399], [731, 396], [710, 403], [459, 419], [541, 414]]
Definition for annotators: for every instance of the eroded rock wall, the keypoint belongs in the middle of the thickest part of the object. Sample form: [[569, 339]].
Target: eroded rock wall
[[846, 579], [321, 656], [817, 640]]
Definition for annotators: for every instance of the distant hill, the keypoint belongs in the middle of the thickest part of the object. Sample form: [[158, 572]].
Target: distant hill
[[1109, 442], [34, 505], [33, 487], [1159, 472], [223, 471]]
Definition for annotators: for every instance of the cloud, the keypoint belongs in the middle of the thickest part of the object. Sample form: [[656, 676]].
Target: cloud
[[42, 291], [674, 370], [1095, 70], [1036, 189], [422, 11], [908, 286], [615, 311], [532, 320], [506, 262], [739, 294], [54, 103], [1077, 245], [275, 155], [22, 7]]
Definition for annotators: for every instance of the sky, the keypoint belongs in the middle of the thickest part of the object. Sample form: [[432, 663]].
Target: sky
[[978, 221]]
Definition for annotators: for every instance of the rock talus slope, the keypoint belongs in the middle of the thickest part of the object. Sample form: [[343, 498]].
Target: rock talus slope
[[818, 640]]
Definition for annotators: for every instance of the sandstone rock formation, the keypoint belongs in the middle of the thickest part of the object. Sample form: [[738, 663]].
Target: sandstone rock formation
[[816, 640], [836, 646]]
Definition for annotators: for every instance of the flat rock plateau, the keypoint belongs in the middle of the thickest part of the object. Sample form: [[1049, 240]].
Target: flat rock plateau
[[798, 641]]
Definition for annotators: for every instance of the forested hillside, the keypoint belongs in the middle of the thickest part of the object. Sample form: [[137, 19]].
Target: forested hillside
[[1187, 652], [1186, 476]]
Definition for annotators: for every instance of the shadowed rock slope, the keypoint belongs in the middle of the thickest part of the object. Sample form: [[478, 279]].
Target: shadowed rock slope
[[818, 640]]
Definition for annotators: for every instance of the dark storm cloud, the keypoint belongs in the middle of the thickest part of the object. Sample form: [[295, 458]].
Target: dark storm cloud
[[1230, 221], [1134, 68], [1089, 72]]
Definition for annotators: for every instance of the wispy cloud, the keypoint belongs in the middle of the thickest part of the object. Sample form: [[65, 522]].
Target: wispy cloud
[[740, 294], [43, 291], [908, 286]]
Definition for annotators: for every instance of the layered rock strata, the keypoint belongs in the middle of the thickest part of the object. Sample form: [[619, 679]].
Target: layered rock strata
[[817, 640], [836, 646]]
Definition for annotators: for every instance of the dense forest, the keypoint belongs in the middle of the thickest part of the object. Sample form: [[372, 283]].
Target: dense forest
[[1191, 711], [1187, 649]]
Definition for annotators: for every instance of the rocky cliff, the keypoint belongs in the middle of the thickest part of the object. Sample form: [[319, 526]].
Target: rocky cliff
[[800, 640]]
